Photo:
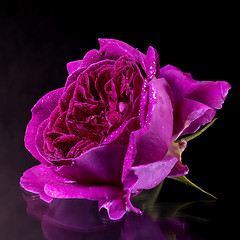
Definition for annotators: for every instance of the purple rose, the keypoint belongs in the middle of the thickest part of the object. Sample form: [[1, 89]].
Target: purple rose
[[109, 132]]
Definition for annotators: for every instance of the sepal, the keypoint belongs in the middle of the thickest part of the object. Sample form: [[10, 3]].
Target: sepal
[[188, 182]]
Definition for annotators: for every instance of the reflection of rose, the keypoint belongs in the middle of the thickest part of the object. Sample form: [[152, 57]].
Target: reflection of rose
[[109, 132], [79, 219]]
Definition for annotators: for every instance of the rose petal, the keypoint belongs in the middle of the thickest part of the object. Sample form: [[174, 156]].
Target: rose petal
[[93, 56], [138, 84], [114, 49], [144, 102], [189, 115], [73, 66], [152, 63], [179, 81], [195, 101], [75, 190], [73, 77], [64, 101], [155, 136], [151, 142], [103, 77], [97, 65], [115, 208], [210, 93], [183, 85], [40, 112], [39, 140], [48, 184], [121, 135], [100, 165], [151, 174], [146, 176], [81, 70], [35, 178]]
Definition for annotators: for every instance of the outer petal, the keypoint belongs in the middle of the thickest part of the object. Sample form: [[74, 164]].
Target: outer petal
[[73, 66], [75, 190], [115, 208], [155, 136], [189, 115], [129, 49], [145, 176], [151, 142], [114, 49], [48, 184], [93, 56], [209, 93], [151, 174], [181, 83], [100, 165], [110, 49], [40, 112], [105, 41], [195, 102], [35, 179]]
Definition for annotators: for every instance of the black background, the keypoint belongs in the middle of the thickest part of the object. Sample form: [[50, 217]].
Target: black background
[[36, 42]]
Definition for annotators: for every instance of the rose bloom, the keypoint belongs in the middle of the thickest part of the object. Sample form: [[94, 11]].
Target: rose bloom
[[109, 132]]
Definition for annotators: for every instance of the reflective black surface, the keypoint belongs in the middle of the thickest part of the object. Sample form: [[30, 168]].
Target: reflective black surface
[[36, 42], [80, 219]]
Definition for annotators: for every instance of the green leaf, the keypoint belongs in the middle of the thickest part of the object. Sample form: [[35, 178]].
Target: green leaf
[[191, 137], [188, 182]]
